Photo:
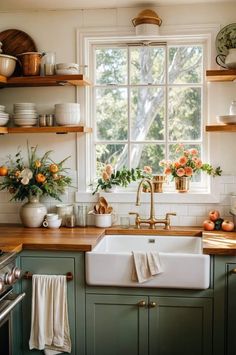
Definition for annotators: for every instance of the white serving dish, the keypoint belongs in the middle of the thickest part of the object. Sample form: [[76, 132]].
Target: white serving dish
[[67, 106], [228, 119], [183, 263], [67, 66], [7, 65], [25, 122], [69, 71]]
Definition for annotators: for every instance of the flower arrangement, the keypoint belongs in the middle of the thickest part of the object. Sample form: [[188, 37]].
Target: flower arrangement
[[187, 164], [122, 177], [40, 176]]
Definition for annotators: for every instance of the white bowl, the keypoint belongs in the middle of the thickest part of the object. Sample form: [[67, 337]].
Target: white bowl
[[3, 121], [25, 122], [71, 71], [67, 106], [2, 108], [67, 118], [228, 119], [25, 116], [7, 65], [67, 66]]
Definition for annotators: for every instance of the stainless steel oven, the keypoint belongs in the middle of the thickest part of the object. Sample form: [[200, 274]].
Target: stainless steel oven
[[9, 275]]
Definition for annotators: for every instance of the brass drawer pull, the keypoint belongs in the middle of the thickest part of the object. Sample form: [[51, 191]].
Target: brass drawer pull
[[142, 304], [233, 271], [152, 305]]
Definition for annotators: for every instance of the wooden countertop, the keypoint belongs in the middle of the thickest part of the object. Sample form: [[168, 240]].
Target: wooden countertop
[[16, 238]]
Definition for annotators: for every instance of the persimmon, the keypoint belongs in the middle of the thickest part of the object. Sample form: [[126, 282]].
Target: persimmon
[[40, 178], [53, 168], [3, 170]]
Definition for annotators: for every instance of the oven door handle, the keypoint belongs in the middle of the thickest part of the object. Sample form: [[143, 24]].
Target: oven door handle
[[10, 307]]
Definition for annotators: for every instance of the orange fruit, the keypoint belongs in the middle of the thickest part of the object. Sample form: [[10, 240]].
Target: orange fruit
[[53, 168], [40, 178], [3, 170]]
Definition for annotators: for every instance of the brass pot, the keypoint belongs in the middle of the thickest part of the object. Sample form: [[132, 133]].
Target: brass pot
[[182, 183]]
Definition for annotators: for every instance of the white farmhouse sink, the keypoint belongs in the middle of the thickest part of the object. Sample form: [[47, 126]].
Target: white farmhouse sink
[[110, 263]]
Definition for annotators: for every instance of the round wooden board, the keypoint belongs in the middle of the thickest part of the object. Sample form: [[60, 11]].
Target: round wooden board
[[15, 42]]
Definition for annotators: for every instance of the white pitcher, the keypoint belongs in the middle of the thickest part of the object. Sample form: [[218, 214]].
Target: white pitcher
[[227, 61]]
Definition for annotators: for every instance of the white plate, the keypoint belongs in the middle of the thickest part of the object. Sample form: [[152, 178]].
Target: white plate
[[25, 111], [27, 122], [25, 116], [228, 119]]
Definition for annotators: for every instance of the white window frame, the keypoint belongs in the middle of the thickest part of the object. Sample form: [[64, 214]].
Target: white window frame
[[86, 38]]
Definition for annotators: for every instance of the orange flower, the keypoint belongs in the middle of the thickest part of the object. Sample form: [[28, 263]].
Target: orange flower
[[105, 176], [167, 171], [40, 178], [183, 160], [180, 172], [147, 169], [109, 169], [193, 151], [53, 168], [188, 171], [3, 170], [37, 163], [198, 163], [177, 165]]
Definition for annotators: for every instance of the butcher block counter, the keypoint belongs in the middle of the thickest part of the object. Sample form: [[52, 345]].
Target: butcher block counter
[[17, 238]]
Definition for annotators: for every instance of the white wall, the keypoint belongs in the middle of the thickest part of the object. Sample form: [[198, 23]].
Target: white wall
[[56, 31]]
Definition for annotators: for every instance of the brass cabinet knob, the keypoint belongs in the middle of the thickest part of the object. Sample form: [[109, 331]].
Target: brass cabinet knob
[[233, 271], [142, 304], [152, 305]]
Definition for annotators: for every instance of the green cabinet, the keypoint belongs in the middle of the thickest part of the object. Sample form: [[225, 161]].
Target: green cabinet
[[225, 306], [148, 325], [58, 263]]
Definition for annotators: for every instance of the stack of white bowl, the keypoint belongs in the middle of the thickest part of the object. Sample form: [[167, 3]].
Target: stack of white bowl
[[4, 116], [67, 114], [25, 114]]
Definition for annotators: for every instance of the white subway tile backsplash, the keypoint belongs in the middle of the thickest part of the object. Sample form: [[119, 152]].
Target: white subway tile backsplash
[[196, 210]]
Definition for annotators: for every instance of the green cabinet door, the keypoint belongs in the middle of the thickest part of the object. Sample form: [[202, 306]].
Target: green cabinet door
[[231, 309], [116, 325], [180, 326], [59, 264]]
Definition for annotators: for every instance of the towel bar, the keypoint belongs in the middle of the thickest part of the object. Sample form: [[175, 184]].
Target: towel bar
[[28, 276]]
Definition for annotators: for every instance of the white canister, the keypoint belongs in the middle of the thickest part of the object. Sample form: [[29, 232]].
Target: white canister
[[103, 220]]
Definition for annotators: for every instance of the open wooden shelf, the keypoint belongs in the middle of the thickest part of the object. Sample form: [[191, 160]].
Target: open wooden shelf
[[54, 129], [52, 80], [221, 75], [221, 128]]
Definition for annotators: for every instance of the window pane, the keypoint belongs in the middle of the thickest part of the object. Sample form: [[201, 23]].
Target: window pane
[[111, 114], [111, 66], [147, 65], [184, 113], [115, 154], [147, 114], [185, 64], [147, 154]]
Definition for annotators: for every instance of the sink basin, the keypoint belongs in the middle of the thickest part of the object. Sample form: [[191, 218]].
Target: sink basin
[[110, 263]]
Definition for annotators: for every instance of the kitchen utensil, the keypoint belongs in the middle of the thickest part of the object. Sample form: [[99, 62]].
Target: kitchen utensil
[[15, 42], [226, 39], [31, 62], [109, 209], [103, 202], [7, 65]]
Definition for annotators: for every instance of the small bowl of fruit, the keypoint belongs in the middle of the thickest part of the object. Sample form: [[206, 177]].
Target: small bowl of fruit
[[215, 222]]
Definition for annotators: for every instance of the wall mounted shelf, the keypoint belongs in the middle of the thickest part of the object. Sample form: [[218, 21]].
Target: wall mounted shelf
[[221, 128], [54, 129], [52, 80], [221, 75]]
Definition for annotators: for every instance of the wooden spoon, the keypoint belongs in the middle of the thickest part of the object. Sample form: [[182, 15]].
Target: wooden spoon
[[103, 202], [109, 209]]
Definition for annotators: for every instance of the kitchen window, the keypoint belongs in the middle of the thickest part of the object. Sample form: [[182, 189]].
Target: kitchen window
[[147, 97]]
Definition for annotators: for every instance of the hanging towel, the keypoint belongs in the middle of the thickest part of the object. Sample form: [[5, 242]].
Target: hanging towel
[[145, 265], [49, 316]]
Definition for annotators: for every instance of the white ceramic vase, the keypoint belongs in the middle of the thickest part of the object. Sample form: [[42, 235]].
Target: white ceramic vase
[[32, 213]]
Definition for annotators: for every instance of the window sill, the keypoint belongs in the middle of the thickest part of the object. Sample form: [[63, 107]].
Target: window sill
[[165, 197]]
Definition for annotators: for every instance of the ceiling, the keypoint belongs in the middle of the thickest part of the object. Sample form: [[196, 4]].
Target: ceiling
[[9, 5]]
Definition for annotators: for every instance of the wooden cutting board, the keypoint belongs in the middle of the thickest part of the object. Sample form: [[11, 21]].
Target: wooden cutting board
[[15, 42]]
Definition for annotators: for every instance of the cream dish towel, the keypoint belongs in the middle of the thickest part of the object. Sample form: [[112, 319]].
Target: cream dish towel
[[49, 316], [145, 265]]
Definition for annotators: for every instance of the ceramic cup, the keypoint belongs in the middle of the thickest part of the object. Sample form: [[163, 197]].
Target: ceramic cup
[[104, 220], [51, 216], [54, 223]]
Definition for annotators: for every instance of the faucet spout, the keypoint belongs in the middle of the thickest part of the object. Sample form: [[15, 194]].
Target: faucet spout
[[152, 209]]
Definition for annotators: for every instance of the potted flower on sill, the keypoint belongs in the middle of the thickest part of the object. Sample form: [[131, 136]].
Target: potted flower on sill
[[110, 179], [38, 177], [183, 168]]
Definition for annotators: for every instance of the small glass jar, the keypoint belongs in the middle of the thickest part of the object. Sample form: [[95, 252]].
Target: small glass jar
[[81, 217], [232, 108]]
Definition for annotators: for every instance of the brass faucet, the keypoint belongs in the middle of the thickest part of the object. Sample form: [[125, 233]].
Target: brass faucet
[[152, 220]]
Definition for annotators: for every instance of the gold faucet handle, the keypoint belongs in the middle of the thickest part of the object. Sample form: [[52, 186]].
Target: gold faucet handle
[[137, 218], [167, 226]]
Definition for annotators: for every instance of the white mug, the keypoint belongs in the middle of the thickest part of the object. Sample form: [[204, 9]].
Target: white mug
[[104, 220], [55, 223], [51, 216]]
